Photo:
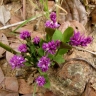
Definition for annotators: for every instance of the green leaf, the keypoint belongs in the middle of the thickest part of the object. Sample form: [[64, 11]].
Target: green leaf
[[32, 48], [40, 51], [57, 35], [49, 31], [59, 59], [48, 38], [67, 34], [28, 57], [41, 42], [41, 73], [65, 46], [50, 56], [28, 63], [47, 84], [62, 51], [24, 23]]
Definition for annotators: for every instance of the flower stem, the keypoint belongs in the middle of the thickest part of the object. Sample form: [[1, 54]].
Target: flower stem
[[34, 90], [8, 48]]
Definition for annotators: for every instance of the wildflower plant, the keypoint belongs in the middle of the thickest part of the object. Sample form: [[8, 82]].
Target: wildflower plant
[[44, 53]]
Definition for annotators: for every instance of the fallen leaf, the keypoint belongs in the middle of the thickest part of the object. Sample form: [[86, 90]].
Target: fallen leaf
[[74, 24], [4, 15], [89, 91], [4, 40], [8, 54], [49, 93]]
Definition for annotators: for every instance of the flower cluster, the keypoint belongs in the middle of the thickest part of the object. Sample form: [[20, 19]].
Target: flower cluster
[[51, 47], [78, 39], [17, 61], [50, 51], [36, 40], [24, 35], [40, 80], [44, 63], [22, 48], [52, 23]]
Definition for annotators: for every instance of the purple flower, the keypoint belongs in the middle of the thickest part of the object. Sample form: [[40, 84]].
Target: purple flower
[[48, 23], [36, 40], [17, 61], [51, 47], [24, 35], [40, 80], [22, 48], [53, 16], [86, 41], [78, 39], [44, 63], [52, 23]]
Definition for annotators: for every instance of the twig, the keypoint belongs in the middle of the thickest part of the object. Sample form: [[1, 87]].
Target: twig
[[79, 48], [10, 41], [8, 48], [24, 9], [18, 23], [61, 8]]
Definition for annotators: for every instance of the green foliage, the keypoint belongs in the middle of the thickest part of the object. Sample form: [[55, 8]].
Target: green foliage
[[65, 46], [59, 59], [67, 34], [45, 5], [62, 51], [28, 63], [40, 51], [47, 84], [57, 35], [49, 32]]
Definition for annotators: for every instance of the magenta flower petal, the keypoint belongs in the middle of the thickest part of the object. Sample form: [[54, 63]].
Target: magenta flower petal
[[51, 47], [36, 40], [25, 34], [40, 80], [17, 61], [78, 39], [22, 48], [44, 63], [53, 16]]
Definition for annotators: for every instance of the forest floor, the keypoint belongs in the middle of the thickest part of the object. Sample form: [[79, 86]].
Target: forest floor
[[77, 77]]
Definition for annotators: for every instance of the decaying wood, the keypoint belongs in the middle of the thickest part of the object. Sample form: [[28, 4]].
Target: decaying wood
[[76, 11]]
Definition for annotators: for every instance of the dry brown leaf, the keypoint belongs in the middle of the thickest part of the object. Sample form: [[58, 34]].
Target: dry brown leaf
[[15, 19], [64, 25], [8, 54], [4, 40], [78, 26], [49, 93], [74, 24], [34, 34], [4, 15], [76, 11], [89, 91], [27, 27]]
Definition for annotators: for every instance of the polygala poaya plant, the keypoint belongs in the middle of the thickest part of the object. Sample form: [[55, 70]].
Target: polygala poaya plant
[[45, 53]]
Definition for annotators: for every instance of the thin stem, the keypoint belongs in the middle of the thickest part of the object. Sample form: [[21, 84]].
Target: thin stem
[[8, 48], [24, 22], [61, 8], [79, 48], [34, 90]]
